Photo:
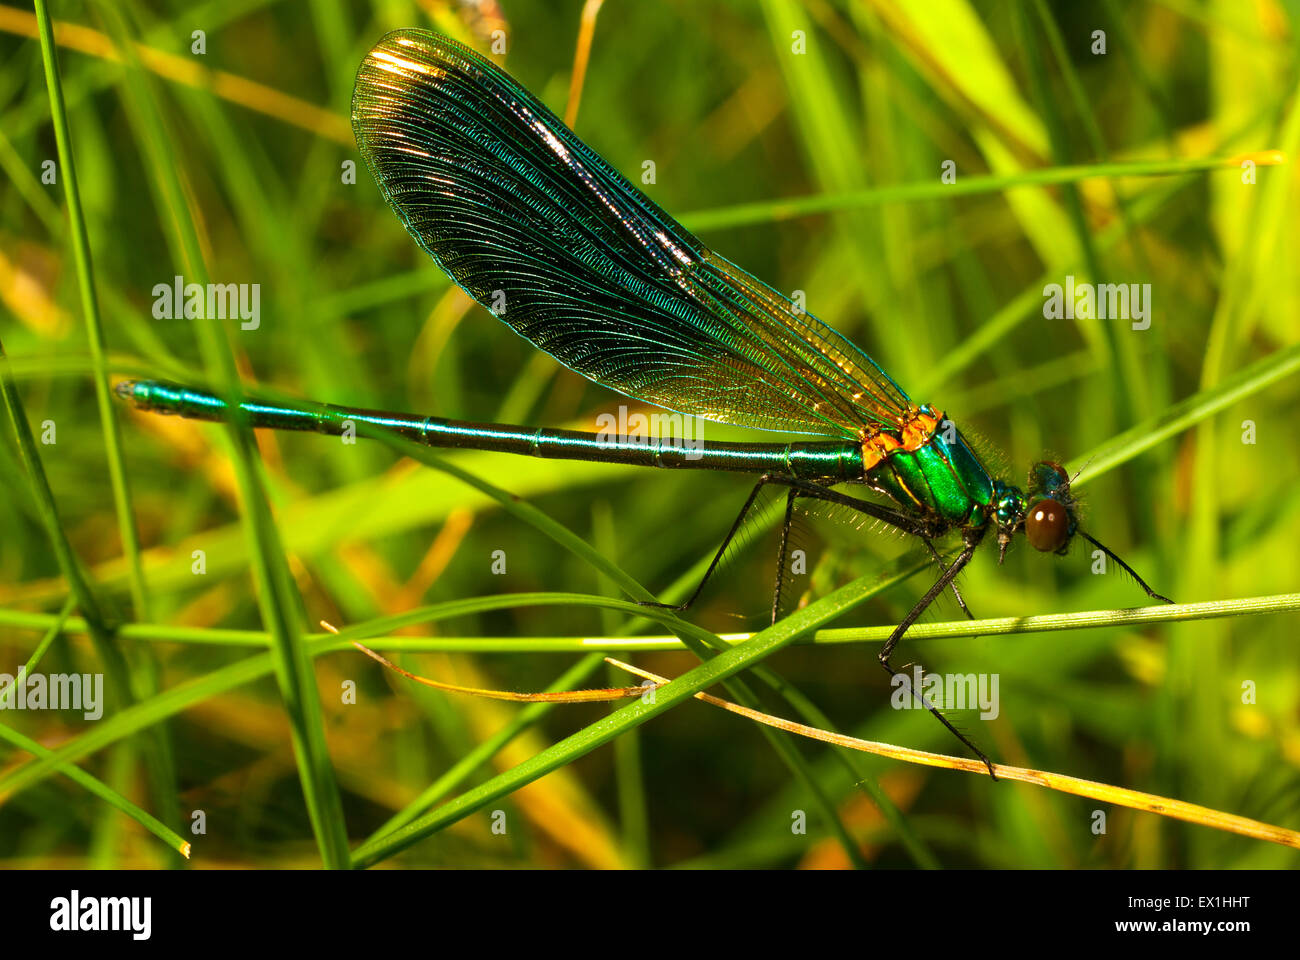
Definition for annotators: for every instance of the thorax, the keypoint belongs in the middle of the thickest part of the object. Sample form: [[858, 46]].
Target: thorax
[[927, 467]]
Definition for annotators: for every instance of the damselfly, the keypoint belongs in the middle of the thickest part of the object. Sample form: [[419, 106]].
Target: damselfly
[[532, 224]]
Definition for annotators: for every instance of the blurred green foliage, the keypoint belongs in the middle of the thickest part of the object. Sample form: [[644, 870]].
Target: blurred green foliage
[[737, 104]]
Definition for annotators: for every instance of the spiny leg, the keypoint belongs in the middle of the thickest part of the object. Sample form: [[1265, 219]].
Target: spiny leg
[[900, 521], [812, 491], [894, 518], [717, 557], [955, 592], [907, 524], [790, 497], [938, 587]]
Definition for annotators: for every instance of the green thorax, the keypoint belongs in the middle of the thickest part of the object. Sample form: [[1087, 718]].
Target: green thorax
[[942, 478]]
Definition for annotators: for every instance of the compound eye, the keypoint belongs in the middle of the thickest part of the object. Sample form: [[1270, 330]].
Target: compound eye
[[1047, 526]]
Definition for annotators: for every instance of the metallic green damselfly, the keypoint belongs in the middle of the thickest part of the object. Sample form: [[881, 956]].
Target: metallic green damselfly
[[532, 224]]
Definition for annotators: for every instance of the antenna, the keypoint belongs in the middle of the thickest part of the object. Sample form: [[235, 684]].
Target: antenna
[[1131, 572]]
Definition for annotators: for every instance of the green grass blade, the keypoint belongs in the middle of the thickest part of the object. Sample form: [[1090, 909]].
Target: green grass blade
[[769, 211], [1187, 413], [713, 671], [275, 592], [101, 790]]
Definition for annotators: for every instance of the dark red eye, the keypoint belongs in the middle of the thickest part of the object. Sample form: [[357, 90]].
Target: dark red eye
[[1047, 525]]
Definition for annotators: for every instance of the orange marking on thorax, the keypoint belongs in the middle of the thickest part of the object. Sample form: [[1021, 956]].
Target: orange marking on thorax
[[875, 449], [913, 435], [920, 429]]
